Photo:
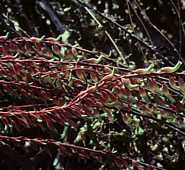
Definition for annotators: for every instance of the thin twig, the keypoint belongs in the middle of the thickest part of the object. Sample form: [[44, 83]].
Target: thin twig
[[149, 47], [147, 19], [80, 149], [140, 20], [107, 34]]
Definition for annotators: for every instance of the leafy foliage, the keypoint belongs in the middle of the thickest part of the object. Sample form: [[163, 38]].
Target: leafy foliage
[[107, 93]]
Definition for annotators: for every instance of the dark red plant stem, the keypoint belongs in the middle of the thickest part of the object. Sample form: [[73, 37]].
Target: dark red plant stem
[[94, 153]]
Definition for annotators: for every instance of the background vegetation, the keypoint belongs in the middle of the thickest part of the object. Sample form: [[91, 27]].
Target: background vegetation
[[101, 87]]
